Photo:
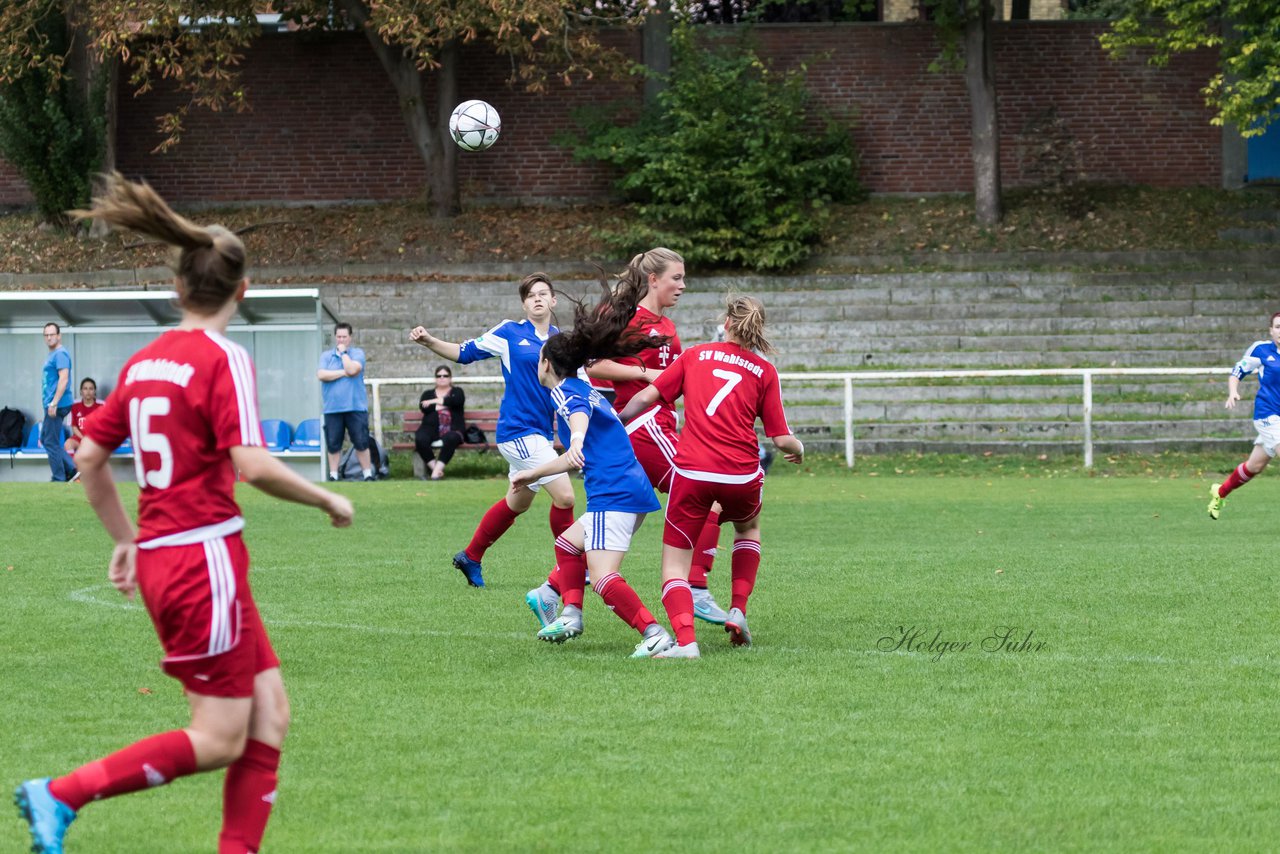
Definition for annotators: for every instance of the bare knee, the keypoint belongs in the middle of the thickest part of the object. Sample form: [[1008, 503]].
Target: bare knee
[[216, 747], [269, 720], [273, 724]]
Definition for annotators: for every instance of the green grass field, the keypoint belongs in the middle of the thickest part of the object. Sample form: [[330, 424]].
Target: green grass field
[[427, 717]]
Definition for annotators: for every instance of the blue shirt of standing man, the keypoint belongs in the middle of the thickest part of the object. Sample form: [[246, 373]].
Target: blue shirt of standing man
[[55, 399], [346, 404]]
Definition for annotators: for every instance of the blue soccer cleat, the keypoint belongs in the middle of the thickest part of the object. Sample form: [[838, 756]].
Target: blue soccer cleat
[[47, 816], [469, 568]]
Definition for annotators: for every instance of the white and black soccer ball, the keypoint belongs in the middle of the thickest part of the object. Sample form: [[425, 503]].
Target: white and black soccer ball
[[474, 125]]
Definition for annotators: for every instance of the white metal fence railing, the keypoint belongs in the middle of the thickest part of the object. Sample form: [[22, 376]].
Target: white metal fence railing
[[847, 378]]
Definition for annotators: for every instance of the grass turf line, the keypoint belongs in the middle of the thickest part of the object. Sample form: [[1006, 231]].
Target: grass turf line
[[426, 717]]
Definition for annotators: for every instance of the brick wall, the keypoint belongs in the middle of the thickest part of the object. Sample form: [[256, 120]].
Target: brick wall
[[325, 125], [13, 190]]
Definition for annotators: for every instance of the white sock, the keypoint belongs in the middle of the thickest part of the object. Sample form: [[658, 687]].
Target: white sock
[[368, 472]]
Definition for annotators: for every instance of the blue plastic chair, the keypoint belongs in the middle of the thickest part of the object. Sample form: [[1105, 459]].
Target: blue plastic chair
[[307, 436], [126, 447], [33, 440], [277, 434]]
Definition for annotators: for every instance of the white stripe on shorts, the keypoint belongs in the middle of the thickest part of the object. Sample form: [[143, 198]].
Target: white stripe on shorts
[[222, 587]]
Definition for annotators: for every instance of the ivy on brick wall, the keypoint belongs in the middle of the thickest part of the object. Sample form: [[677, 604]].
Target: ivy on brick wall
[[50, 133], [733, 164]]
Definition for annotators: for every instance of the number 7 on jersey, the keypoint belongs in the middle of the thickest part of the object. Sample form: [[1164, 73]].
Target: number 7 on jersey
[[731, 379]]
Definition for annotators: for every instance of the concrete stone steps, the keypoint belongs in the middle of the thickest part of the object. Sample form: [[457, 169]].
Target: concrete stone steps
[[919, 321]]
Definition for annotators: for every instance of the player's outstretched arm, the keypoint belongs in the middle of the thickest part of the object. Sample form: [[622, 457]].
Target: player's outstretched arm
[[1233, 391], [792, 448], [571, 460], [445, 349], [265, 472], [100, 489], [643, 399], [607, 369]]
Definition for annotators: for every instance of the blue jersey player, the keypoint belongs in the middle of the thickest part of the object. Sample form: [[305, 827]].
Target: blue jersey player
[[619, 493], [524, 417], [1263, 358]]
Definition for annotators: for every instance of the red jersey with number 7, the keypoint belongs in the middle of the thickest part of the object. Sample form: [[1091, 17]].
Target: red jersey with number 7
[[184, 400], [725, 388]]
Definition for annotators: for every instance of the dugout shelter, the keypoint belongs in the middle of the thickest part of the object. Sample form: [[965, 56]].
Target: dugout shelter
[[284, 330]]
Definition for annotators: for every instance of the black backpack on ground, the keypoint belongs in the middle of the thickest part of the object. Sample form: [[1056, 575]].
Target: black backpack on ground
[[12, 425], [349, 464]]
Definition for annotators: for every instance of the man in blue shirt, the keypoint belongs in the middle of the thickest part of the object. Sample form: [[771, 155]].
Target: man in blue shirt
[[346, 404], [55, 399]]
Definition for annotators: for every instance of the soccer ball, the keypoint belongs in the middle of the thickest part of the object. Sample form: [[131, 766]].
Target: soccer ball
[[474, 125]]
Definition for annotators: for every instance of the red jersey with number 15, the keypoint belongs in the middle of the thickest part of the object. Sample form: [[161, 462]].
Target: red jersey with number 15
[[655, 360], [185, 400], [725, 388]]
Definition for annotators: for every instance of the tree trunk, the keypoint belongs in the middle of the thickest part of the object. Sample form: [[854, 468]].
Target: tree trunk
[[427, 132], [657, 51], [980, 80], [443, 174], [95, 79]]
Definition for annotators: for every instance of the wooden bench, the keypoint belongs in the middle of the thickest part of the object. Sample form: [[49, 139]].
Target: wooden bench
[[485, 419]]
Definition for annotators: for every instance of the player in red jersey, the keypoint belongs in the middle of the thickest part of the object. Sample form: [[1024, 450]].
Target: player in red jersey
[[726, 387], [81, 410], [189, 403], [653, 432]]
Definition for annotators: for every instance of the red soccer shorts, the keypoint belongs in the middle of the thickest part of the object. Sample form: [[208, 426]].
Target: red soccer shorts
[[655, 450], [691, 501], [200, 603]]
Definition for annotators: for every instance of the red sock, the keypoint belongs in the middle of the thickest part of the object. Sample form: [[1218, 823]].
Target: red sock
[[497, 519], [560, 519], [570, 574], [744, 566], [623, 601], [1238, 478], [247, 797], [154, 761], [704, 553], [677, 598]]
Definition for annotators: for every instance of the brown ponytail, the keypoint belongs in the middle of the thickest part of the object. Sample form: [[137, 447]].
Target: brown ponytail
[[209, 261], [746, 323]]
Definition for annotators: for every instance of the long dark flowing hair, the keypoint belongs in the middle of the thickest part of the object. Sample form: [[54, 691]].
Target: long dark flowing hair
[[601, 331]]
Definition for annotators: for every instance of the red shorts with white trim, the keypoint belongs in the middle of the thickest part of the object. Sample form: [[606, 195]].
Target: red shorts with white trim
[[656, 452], [691, 501], [200, 603]]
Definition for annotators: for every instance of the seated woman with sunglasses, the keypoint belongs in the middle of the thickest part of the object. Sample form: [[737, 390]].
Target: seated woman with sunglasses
[[442, 421]]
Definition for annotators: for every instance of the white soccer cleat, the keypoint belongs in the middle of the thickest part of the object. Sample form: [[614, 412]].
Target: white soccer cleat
[[736, 626], [544, 603], [705, 607], [689, 650], [654, 643]]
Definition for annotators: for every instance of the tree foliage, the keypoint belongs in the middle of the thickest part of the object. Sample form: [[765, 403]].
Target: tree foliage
[[732, 164], [196, 46], [1245, 90], [51, 130]]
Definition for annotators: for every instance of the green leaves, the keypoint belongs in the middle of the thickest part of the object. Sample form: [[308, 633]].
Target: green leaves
[[50, 130], [733, 164], [1246, 33]]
